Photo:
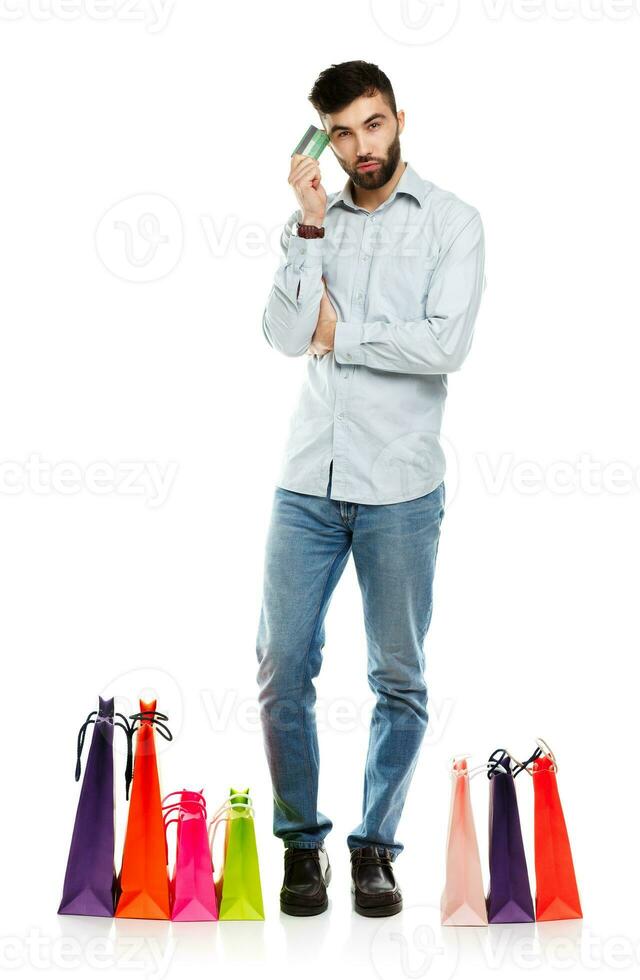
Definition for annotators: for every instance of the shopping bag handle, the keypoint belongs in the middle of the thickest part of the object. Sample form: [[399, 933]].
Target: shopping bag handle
[[173, 807], [228, 805], [221, 817], [157, 719], [482, 767], [495, 765], [178, 807], [227, 808], [126, 727], [169, 808], [179, 803], [213, 826], [542, 749], [90, 720]]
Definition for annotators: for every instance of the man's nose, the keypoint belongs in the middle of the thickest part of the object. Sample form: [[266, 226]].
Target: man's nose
[[362, 150]]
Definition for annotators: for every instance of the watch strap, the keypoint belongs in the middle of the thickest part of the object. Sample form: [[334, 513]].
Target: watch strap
[[310, 231]]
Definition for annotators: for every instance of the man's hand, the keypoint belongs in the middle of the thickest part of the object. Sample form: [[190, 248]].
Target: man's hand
[[306, 181], [323, 336]]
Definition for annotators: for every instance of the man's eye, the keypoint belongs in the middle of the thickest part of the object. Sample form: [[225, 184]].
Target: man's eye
[[375, 124]]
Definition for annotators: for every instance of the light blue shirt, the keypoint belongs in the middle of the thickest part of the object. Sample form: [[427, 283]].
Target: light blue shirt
[[406, 282]]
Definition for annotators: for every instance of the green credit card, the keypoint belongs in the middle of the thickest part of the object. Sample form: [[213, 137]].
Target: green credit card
[[312, 143]]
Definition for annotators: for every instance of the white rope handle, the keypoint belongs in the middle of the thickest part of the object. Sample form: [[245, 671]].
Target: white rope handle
[[212, 836], [482, 767], [228, 808], [227, 803], [221, 816], [547, 751], [542, 745]]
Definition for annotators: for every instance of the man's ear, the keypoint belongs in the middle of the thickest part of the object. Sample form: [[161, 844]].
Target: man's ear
[[400, 118]]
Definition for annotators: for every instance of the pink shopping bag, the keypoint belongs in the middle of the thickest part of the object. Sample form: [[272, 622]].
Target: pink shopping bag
[[191, 888], [462, 902]]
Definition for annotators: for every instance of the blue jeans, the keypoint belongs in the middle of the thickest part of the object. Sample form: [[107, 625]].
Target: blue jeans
[[394, 550]]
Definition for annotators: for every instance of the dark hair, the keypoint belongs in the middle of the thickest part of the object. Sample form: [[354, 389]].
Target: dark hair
[[338, 86]]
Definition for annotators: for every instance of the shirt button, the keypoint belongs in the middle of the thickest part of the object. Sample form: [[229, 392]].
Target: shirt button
[[340, 417], [348, 356]]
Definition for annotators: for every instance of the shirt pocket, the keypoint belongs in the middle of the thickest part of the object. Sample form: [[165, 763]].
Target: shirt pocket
[[407, 275]]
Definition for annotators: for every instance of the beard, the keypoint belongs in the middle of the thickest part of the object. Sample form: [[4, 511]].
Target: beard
[[370, 180]]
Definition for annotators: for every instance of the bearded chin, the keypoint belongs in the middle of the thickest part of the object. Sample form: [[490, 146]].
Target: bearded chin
[[386, 171]]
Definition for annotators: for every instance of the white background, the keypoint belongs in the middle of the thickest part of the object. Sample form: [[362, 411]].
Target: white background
[[119, 351]]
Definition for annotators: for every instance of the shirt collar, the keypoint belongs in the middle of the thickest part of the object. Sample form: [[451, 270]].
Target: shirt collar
[[410, 183]]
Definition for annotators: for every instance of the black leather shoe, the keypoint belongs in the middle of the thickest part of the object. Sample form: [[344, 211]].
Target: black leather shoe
[[307, 873], [373, 886]]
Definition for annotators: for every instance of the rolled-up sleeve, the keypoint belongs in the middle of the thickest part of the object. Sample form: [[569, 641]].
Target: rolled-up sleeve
[[291, 312], [440, 342]]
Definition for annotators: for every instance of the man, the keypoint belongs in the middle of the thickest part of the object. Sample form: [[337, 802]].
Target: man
[[379, 286]]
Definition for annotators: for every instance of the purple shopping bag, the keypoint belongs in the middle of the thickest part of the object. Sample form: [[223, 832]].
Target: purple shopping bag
[[90, 877], [509, 898]]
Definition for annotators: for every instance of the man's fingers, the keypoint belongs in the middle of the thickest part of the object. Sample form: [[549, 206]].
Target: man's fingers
[[307, 177], [305, 169], [300, 160]]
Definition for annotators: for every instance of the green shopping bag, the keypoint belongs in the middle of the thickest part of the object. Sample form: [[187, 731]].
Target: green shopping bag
[[238, 887]]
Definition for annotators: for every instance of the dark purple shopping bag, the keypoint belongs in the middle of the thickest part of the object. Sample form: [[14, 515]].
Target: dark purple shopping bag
[[89, 882], [509, 898]]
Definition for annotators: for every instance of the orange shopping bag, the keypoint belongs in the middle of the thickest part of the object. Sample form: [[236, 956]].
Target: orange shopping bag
[[143, 883], [462, 902], [556, 887]]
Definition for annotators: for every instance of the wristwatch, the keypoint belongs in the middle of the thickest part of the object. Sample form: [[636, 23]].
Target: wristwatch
[[309, 231]]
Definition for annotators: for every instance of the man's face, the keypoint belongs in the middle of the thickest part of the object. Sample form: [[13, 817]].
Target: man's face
[[366, 130]]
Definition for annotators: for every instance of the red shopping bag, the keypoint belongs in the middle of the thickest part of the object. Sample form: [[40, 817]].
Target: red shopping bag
[[556, 887]]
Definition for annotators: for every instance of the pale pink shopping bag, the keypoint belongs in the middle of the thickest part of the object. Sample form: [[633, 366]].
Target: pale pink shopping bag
[[462, 902], [192, 888]]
